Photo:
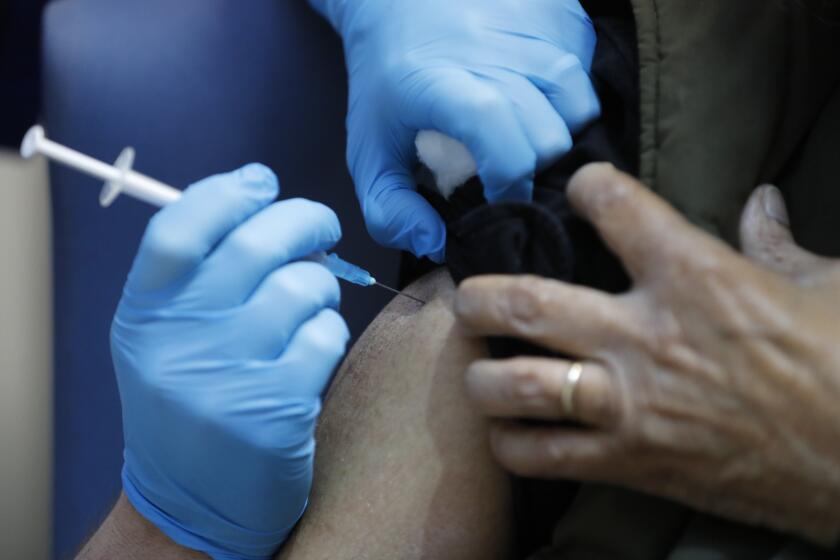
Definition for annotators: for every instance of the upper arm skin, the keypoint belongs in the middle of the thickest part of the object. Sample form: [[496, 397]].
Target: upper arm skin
[[125, 534], [403, 468]]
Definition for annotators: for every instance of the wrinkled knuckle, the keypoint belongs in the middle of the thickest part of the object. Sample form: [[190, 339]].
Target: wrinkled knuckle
[[613, 325], [662, 337], [607, 407], [650, 435], [708, 267], [632, 437], [526, 301], [637, 317], [486, 102], [523, 382], [556, 451], [569, 69]]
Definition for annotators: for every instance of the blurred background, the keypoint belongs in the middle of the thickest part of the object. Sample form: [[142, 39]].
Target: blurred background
[[196, 87]]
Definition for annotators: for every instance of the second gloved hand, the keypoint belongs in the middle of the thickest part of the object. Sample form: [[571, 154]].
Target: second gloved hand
[[508, 79], [223, 344]]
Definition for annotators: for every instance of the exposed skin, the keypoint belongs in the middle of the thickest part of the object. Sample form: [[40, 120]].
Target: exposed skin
[[126, 534], [714, 381], [403, 468], [724, 399]]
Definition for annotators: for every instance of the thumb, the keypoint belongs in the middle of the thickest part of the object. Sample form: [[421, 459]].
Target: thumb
[[766, 238], [398, 217]]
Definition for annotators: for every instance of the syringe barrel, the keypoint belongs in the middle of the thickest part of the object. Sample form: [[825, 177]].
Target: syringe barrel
[[148, 190], [132, 183], [343, 269], [77, 160], [158, 194]]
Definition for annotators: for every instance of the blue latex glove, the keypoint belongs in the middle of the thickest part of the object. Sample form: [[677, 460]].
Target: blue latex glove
[[223, 346], [507, 78]]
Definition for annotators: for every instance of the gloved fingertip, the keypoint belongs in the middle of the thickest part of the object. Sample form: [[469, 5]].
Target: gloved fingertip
[[260, 178], [317, 215], [428, 239], [345, 332], [402, 219], [332, 332], [334, 225], [568, 87], [518, 191], [438, 257], [553, 146], [587, 112]]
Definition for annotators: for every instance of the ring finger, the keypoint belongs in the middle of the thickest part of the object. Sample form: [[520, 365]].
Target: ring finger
[[544, 389]]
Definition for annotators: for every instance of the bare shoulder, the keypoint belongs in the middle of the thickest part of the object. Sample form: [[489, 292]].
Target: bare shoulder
[[438, 291], [409, 340], [403, 468]]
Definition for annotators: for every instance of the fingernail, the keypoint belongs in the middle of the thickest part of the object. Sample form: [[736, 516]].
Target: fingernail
[[774, 205], [462, 306]]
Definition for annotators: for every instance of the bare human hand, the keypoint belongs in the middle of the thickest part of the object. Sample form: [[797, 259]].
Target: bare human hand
[[715, 381]]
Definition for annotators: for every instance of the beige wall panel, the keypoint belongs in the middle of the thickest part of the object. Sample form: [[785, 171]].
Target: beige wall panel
[[25, 359]]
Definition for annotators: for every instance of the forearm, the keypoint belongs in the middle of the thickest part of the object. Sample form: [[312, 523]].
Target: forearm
[[125, 534]]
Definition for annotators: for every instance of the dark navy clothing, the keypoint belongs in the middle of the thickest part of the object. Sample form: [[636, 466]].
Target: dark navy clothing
[[20, 40]]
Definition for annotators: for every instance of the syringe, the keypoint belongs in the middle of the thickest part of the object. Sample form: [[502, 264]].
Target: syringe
[[121, 178]]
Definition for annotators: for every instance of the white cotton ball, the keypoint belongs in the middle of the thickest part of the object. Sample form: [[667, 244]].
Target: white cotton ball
[[449, 161]]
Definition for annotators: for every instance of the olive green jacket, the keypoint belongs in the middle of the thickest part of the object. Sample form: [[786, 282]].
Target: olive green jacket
[[734, 94]]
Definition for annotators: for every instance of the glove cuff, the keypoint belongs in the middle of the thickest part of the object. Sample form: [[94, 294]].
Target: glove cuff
[[228, 542]]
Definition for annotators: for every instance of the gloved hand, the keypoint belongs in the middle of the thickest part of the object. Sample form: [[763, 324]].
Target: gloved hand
[[223, 345], [509, 79]]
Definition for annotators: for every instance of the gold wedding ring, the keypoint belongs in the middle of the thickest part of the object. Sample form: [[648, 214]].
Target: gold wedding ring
[[573, 376]]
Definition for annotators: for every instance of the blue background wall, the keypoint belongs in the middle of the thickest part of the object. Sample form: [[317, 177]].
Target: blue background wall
[[197, 87]]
